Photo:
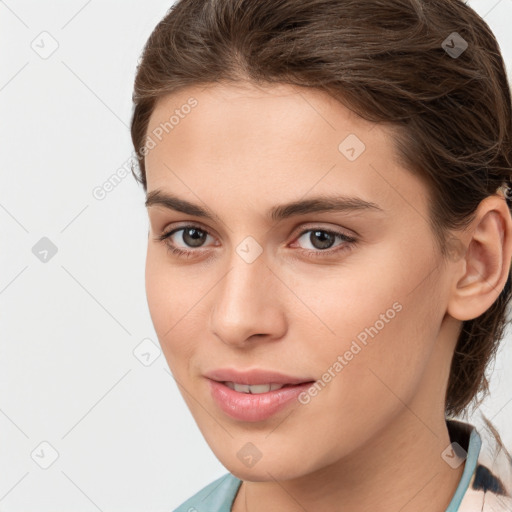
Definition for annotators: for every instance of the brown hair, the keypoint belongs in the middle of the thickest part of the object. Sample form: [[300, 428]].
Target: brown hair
[[389, 62]]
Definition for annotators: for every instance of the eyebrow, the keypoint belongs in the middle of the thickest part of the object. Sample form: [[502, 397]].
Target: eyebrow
[[276, 213]]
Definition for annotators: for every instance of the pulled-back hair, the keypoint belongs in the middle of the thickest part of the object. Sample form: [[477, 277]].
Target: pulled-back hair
[[388, 61]]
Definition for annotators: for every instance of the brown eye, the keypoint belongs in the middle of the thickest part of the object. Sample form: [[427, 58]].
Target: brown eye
[[323, 239], [193, 237]]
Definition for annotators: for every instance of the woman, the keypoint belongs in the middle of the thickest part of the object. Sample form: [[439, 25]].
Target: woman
[[328, 265]]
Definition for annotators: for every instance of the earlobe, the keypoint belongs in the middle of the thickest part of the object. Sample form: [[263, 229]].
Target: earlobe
[[480, 275]]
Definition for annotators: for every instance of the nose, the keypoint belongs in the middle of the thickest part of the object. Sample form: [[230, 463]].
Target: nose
[[246, 304]]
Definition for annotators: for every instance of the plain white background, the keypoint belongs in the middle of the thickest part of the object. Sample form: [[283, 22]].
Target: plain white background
[[80, 395]]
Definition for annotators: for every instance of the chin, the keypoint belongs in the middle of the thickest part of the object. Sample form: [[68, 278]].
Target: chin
[[274, 468]]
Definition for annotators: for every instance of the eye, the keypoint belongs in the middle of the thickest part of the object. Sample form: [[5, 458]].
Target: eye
[[322, 240], [194, 237]]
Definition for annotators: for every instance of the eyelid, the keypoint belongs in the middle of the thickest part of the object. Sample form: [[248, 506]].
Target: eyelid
[[310, 226], [182, 225], [298, 231], [348, 241], [167, 233]]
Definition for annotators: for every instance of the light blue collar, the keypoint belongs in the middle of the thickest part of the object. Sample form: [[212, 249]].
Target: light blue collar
[[475, 443]]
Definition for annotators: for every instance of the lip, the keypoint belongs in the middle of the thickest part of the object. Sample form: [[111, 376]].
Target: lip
[[257, 407], [254, 377]]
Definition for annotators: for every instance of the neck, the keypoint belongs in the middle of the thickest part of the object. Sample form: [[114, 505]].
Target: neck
[[400, 469]]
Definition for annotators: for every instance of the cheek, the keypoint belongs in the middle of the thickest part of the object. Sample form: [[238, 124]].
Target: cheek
[[381, 324], [168, 302], [394, 347], [372, 366], [159, 291]]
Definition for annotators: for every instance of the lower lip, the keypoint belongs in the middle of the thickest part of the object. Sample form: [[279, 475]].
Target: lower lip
[[257, 407]]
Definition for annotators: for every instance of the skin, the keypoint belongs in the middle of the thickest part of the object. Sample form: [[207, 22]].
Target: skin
[[372, 438]]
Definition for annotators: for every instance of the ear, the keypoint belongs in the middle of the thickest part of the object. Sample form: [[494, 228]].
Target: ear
[[480, 274]]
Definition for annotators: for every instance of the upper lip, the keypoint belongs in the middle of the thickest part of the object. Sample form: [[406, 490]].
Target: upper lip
[[254, 377]]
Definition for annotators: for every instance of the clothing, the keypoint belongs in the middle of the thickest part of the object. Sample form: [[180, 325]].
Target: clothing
[[485, 485], [489, 488]]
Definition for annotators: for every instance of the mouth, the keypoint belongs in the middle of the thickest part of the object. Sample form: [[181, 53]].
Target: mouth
[[255, 377], [252, 403], [258, 389]]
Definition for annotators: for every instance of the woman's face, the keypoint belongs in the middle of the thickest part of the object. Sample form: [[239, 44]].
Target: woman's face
[[353, 297]]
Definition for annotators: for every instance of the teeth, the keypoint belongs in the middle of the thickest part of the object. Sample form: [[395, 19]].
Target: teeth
[[256, 389]]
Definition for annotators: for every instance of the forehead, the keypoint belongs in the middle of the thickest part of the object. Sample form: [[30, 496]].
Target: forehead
[[246, 112], [243, 137]]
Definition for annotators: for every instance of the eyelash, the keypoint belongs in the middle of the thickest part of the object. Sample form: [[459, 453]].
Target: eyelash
[[349, 241]]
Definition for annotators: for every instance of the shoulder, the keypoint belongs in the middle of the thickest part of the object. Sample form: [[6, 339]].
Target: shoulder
[[218, 496]]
